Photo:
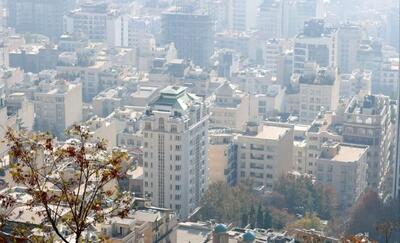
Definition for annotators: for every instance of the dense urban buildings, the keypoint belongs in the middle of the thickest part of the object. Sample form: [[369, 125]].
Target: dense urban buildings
[[43, 17], [224, 121]]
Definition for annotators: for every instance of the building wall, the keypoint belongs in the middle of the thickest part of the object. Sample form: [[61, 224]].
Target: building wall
[[348, 38], [193, 35], [38, 16], [262, 161], [376, 131], [73, 105], [175, 152], [348, 179], [314, 97]]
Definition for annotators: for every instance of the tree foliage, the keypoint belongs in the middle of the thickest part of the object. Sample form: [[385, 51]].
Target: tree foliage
[[370, 214], [77, 177], [227, 204], [309, 221], [300, 195]]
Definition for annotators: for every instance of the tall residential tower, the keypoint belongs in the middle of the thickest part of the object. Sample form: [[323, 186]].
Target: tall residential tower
[[175, 150]]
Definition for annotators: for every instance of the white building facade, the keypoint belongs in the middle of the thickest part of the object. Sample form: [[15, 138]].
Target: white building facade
[[175, 150]]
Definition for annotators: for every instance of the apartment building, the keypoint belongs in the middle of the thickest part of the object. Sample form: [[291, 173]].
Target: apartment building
[[315, 44], [389, 78], [347, 42], [368, 121], [222, 157], [344, 168], [192, 33], [58, 105], [253, 80], [359, 82], [326, 127], [98, 23], [264, 153], [38, 16], [245, 43], [175, 150], [272, 20], [243, 14], [265, 105], [272, 51], [230, 108], [319, 90], [300, 148]]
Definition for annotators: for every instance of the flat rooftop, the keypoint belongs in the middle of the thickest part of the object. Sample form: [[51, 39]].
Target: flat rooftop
[[144, 92], [348, 153], [192, 232], [272, 132]]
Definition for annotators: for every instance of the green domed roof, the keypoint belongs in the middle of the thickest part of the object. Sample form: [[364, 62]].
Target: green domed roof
[[248, 236], [220, 228]]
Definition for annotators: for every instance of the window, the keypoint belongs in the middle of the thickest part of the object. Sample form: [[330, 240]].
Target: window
[[147, 126], [161, 125], [174, 128]]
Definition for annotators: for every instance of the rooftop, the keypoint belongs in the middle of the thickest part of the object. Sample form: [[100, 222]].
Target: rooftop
[[272, 132], [175, 97], [346, 153], [192, 232], [368, 105], [349, 153], [322, 76]]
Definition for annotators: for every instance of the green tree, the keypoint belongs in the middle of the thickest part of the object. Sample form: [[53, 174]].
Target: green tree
[[260, 217], [267, 221], [244, 219], [222, 202], [302, 195], [252, 216], [366, 213], [309, 221]]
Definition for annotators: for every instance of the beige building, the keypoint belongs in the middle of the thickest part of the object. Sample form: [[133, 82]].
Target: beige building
[[359, 82], [368, 121], [319, 90], [326, 127], [265, 153], [58, 105], [254, 80], [221, 157], [230, 109], [263, 106], [344, 168], [22, 109], [300, 148]]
